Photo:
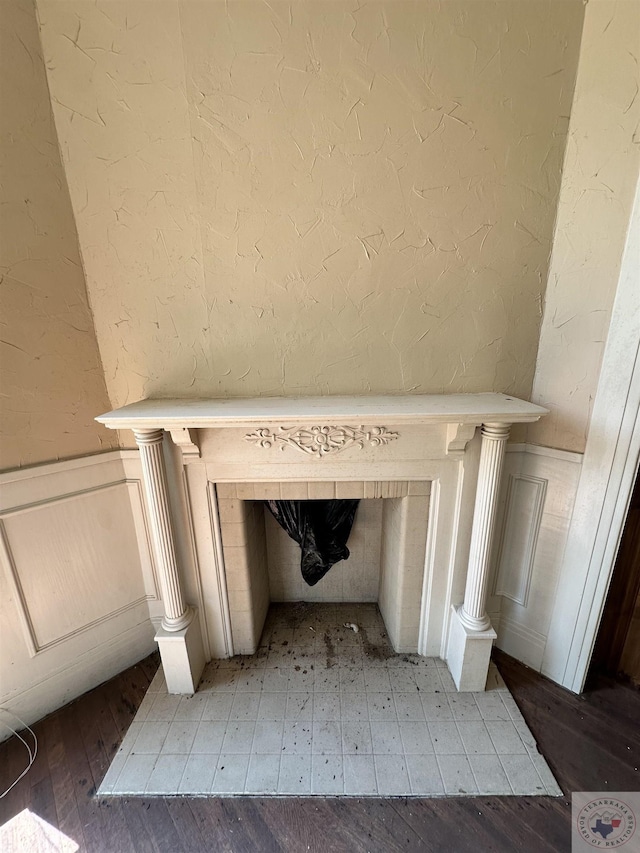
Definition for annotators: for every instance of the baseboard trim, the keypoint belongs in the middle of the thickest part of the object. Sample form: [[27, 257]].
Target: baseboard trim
[[520, 642], [96, 666]]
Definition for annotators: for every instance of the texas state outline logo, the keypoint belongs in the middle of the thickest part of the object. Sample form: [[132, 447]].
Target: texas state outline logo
[[605, 821]]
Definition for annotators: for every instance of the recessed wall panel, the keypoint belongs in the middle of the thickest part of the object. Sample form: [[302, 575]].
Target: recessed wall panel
[[71, 560]]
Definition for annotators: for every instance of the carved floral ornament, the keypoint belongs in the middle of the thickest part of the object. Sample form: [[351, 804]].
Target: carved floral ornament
[[321, 440]]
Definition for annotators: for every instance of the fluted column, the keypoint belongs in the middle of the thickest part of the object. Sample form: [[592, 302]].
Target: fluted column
[[473, 613], [176, 614]]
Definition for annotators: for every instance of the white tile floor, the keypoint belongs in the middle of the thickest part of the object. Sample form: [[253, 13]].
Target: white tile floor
[[320, 709]]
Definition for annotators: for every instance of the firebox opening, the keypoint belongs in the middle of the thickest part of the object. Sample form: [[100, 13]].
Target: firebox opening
[[355, 579], [386, 565], [321, 529]]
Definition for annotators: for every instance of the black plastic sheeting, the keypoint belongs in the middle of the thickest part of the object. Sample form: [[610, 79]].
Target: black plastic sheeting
[[321, 529]]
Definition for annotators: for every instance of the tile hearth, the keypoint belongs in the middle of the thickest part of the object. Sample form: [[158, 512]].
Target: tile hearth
[[323, 710]]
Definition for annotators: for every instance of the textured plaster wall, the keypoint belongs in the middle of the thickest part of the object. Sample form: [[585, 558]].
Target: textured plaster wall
[[313, 197], [601, 170], [52, 382]]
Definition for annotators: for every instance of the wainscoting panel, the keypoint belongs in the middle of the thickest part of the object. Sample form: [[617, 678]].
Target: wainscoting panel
[[59, 549], [524, 504], [77, 581], [539, 487]]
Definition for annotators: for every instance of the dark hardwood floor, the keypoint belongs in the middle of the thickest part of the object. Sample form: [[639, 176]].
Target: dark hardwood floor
[[592, 743]]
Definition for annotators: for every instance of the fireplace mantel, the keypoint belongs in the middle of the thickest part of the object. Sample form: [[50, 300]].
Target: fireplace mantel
[[324, 439], [407, 408]]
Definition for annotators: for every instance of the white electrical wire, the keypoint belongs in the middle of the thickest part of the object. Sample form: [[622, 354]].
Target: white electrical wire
[[32, 752]]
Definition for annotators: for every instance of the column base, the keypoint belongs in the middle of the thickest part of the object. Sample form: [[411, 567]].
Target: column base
[[182, 655], [468, 654]]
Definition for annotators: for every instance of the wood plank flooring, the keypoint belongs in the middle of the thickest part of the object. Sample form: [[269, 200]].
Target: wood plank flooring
[[592, 743]]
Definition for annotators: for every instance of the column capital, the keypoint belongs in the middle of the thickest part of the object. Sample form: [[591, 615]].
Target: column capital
[[496, 432], [148, 436]]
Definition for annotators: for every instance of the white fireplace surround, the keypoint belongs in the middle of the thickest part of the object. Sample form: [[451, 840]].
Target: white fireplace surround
[[420, 450]]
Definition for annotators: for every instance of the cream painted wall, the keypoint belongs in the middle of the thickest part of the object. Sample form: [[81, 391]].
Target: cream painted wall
[[315, 197], [601, 169], [52, 382]]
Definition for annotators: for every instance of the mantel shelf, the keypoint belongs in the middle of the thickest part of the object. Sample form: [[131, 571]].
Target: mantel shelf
[[409, 408]]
